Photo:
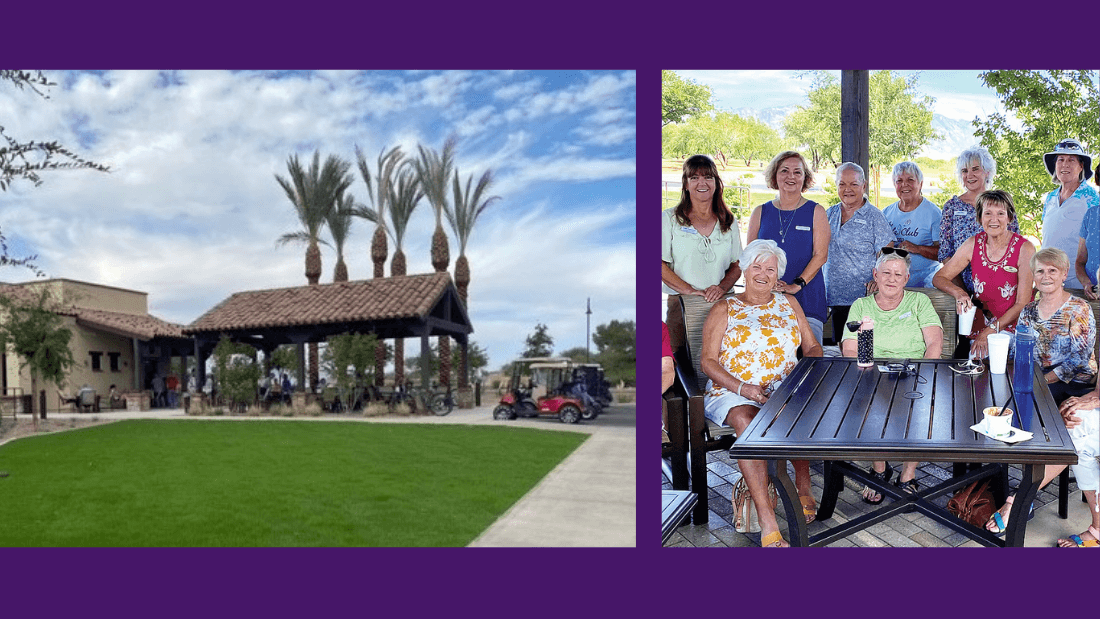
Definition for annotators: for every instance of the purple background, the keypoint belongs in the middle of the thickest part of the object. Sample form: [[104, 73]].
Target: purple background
[[542, 582]]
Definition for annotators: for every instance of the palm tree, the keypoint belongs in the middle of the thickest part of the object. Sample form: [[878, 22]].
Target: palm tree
[[434, 171], [405, 195], [467, 207], [378, 190], [314, 193], [339, 226]]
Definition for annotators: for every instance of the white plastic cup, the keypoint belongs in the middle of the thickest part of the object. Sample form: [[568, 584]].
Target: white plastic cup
[[998, 352], [966, 320]]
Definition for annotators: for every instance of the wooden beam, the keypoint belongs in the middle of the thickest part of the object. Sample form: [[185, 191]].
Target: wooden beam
[[855, 112]]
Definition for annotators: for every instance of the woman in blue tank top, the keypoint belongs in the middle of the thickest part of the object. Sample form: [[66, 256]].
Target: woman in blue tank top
[[800, 228]]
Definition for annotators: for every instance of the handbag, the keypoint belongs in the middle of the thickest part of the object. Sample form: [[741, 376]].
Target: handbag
[[974, 503], [745, 517]]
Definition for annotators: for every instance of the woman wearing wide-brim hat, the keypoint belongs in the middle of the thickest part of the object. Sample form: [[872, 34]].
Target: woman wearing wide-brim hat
[[1064, 209]]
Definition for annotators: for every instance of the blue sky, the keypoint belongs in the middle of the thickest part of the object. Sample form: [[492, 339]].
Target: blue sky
[[191, 210], [959, 94]]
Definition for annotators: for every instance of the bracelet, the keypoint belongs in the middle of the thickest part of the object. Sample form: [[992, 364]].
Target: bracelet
[[798, 280], [739, 389]]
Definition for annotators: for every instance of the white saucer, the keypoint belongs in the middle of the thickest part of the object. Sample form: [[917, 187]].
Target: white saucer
[[1016, 436]]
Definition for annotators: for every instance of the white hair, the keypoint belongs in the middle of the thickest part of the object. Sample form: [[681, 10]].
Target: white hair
[[982, 156], [848, 165], [761, 249], [907, 166], [884, 258]]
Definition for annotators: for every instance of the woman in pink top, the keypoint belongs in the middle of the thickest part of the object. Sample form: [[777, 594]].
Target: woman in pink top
[[995, 256]]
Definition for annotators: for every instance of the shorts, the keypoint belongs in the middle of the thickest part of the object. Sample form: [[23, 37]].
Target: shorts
[[1086, 440], [717, 407]]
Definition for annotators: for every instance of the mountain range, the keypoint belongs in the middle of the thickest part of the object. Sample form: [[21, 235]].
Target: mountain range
[[957, 135]]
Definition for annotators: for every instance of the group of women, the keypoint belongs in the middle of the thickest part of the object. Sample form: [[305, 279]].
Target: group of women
[[802, 262]]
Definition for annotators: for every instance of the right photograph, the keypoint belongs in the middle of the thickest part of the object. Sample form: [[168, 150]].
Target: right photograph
[[879, 301]]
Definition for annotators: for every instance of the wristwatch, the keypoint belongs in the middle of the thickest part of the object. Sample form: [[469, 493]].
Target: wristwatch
[[798, 280]]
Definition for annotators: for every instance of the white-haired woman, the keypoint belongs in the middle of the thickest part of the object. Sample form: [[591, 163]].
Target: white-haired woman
[[975, 169], [906, 327], [916, 222], [1064, 208], [858, 230], [750, 343]]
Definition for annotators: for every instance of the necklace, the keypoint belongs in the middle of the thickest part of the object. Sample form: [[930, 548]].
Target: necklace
[[785, 222]]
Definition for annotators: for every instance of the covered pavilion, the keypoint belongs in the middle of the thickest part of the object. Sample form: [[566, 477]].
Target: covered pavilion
[[406, 306]]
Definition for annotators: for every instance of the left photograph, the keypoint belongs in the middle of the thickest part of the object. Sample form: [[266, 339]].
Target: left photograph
[[317, 308]]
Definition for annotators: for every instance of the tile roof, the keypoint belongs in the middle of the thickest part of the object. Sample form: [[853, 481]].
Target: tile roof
[[387, 298], [141, 326]]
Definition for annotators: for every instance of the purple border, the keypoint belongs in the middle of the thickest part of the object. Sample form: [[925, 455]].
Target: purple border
[[611, 36]]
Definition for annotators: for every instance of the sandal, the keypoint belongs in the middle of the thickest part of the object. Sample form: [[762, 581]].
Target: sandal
[[884, 477], [1080, 543], [910, 486], [773, 540], [999, 522], [809, 508]]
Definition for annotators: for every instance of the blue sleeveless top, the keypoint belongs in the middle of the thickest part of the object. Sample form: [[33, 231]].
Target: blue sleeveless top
[[793, 231]]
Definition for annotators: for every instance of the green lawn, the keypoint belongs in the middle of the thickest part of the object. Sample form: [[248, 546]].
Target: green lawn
[[268, 483]]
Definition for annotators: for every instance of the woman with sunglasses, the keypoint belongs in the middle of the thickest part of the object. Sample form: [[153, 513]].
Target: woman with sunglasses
[[858, 229], [906, 327], [998, 259], [700, 240]]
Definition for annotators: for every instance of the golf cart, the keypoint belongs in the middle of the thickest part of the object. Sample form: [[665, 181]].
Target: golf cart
[[542, 392], [591, 374]]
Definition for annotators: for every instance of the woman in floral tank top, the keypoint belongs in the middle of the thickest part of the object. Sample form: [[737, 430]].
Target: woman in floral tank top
[[995, 256], [750, 343]]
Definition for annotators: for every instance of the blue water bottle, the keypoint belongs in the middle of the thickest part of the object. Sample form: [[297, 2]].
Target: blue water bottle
[[1023, 376]]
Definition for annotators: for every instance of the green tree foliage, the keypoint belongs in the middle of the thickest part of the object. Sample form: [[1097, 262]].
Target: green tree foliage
[[539, 343], [723, 135], [900, 119], [32, 330], [1049, 107], [237, 371], [478, 358], [817, 124], [349, 360], [579, 354], [285, 357], [682, 98], [617, 343]]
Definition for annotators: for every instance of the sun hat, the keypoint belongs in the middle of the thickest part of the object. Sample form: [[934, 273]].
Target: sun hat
[[1068, 146]]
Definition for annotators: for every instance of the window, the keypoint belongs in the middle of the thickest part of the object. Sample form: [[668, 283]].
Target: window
[[96, 364], [113, 356]]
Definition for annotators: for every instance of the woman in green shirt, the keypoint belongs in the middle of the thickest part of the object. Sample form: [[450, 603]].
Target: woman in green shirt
[[906, 326]]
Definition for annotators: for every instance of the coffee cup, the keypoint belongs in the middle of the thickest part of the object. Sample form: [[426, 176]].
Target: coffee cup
[[966, 320], [997, 424]]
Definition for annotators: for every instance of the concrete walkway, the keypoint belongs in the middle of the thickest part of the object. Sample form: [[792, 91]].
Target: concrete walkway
[[589, 499]]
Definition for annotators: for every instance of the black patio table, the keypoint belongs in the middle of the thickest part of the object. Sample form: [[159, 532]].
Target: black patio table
[[830, 409], [675, 507]]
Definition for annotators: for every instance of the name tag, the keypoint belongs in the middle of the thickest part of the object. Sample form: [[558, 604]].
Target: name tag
[[905, 315], [962, 214], [1010, 269], [804, 228], [689, 230]]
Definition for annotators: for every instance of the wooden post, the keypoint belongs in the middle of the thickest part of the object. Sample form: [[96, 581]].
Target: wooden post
[[855, 108]]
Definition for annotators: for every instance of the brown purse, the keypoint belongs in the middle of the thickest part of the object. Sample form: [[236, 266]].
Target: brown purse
[[974, 503]]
